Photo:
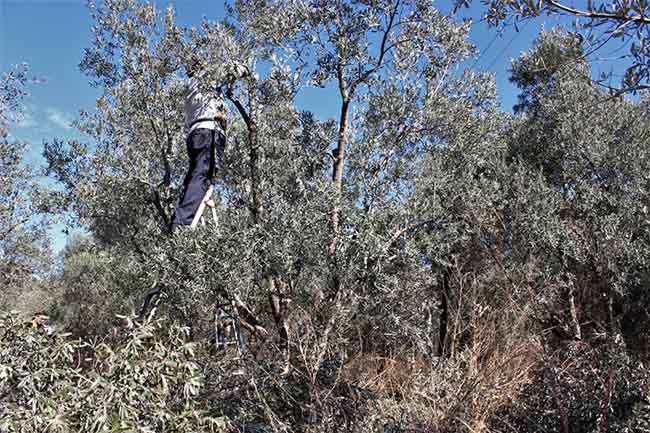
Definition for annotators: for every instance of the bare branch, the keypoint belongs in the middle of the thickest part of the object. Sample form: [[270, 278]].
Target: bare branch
[[638, 19], [240, 108], [410, 228]]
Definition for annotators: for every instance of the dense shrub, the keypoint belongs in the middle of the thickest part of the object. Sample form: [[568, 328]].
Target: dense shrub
[[145, 380]]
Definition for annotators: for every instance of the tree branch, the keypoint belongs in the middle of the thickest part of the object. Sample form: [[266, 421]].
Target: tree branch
[[382, 49], [639, 19], [409, 228], [240, 108], [12, 228], [166, 175]]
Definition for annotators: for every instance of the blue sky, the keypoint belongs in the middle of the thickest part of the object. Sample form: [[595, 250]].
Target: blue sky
[[51, 35]]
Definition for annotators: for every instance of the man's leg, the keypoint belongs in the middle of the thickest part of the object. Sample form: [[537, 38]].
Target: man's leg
[[197, 180]]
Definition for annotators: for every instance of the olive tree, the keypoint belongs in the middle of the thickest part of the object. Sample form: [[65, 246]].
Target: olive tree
[[626, 22], [598, 168], [24, 249], [422, 227]]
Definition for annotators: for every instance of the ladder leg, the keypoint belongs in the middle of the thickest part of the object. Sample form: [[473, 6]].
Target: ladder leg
[[214, 215], [199, 211]]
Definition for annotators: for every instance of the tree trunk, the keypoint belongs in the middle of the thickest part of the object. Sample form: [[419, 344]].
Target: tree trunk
[[339, 161], [443, 329], [256, 203]]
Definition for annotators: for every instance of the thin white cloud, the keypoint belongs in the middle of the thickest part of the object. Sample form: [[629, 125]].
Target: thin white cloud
[[59, 118], [27, 120]]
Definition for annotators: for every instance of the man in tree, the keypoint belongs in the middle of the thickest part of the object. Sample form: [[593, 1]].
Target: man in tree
[[205, 119]]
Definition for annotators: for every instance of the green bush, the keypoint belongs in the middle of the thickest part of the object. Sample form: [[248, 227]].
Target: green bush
[[146, 380]]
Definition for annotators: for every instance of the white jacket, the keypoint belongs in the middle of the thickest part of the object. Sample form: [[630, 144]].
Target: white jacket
[[201, 103], [204, 102]]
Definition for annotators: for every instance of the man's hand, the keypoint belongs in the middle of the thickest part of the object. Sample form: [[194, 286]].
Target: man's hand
[[242, 71], [239, 71]]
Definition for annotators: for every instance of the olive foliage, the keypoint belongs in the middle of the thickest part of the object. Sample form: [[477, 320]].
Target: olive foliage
[[602, 25], [424, 261], [24, 202]]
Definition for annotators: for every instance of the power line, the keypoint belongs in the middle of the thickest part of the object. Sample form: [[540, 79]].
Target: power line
[[485, 50], [497, 34], [516, 35]]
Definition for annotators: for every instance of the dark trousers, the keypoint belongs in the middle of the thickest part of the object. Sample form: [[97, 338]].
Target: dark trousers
[[203, 146]]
